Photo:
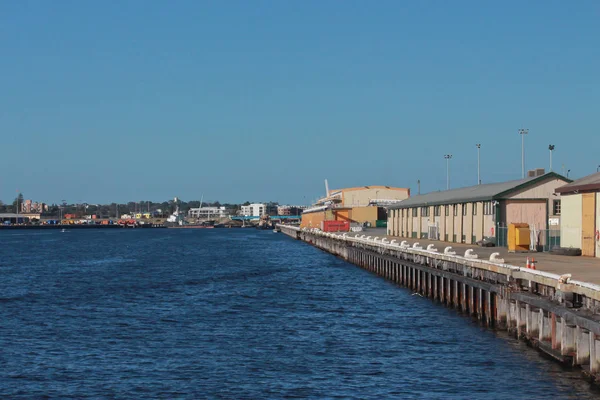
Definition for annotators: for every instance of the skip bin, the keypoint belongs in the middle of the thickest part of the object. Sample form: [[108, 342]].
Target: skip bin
[[518, 237]]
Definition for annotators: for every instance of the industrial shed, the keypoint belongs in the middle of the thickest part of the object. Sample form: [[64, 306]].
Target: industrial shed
[[355, 205], [469, 214], [580, 203]]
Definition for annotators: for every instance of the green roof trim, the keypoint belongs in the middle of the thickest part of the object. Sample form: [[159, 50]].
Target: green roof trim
[[531, 183], [485, 192]]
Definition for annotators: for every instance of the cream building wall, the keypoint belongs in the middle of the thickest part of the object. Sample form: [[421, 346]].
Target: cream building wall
[[597, 225], [570, 227]]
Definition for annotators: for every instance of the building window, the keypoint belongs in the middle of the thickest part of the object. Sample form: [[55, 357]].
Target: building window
[[424, 211], [447, 210], [488, 209], [464, 208], [474, 208], [414, 212], [556, 207], [436, 211], [455, 209]]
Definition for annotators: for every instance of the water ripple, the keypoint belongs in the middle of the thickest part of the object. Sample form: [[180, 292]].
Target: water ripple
[[237, 314]]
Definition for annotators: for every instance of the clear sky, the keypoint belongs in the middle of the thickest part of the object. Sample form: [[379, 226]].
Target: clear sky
[[263, 100]]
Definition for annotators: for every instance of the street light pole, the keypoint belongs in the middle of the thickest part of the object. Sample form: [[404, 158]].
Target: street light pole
[[448, 157], [478, 164], [523, 132], [551, 148]]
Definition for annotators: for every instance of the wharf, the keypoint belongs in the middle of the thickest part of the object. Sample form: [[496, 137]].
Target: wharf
[[557, 315], [585, 269]]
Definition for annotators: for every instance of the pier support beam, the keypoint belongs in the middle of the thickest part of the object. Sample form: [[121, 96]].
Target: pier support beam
[[501, 308], [456, 295], [555, 330], [567, 340], [442, 291], [594, 350], [480, 307], [464, 304], [489, 319], [582, 338]]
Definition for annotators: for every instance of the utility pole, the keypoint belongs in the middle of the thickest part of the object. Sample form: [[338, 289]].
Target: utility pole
[[478, 164], [551, 148], [448, 157], [523, 132]]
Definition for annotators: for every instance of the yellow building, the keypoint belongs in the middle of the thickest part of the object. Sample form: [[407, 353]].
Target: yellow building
[[358, 205], [580, 215], [469, 214]]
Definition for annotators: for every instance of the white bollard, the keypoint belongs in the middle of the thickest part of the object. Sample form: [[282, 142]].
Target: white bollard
[[416, 246], [448, 251], [469, 254], [565, 278], [494, 258], [431, 248]]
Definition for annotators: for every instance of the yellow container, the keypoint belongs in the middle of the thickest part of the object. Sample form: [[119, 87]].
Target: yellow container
[[518, 237]]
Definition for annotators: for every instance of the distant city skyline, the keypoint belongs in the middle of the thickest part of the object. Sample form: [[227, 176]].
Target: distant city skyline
[[259, 101]]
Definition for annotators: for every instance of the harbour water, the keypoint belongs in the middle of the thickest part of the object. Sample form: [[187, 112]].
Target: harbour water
[[234, 314]]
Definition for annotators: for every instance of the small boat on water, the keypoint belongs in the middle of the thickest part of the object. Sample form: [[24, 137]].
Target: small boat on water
[[63, 230]]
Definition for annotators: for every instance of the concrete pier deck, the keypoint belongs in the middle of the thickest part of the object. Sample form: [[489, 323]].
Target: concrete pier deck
[[585, 269]]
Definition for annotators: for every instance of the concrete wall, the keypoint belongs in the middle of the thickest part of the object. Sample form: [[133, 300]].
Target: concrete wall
[[353, 197], [365, 214], [489, 227], [313, 220], [478, 221], [597, 225], [532, 212], [570, 227], [545, 190]]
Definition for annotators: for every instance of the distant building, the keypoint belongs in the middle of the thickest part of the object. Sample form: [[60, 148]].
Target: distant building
[[29, 206], [259, 209], [357, 205], [290, 210], [207, 212], [13, 218]]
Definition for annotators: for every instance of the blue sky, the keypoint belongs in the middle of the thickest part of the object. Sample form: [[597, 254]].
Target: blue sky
[[263, 100]]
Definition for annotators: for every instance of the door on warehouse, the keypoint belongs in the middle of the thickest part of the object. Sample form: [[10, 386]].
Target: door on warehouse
[[588, 224]]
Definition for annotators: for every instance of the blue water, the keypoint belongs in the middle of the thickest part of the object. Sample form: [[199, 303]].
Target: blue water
[[237, 314]]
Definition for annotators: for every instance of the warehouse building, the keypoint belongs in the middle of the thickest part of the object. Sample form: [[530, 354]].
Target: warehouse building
[[580, 212], [357, 205], [469, 214]]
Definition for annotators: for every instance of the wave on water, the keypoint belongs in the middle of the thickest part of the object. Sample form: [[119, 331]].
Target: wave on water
[[109, 260]]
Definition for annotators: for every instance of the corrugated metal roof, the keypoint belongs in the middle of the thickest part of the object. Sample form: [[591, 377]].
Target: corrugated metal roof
[[468, 194], [589, 182]]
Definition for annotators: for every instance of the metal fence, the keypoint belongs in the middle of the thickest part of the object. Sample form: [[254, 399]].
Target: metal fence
[[541, 239]]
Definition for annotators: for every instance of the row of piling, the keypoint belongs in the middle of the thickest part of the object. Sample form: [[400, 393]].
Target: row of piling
[[571, 336]]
